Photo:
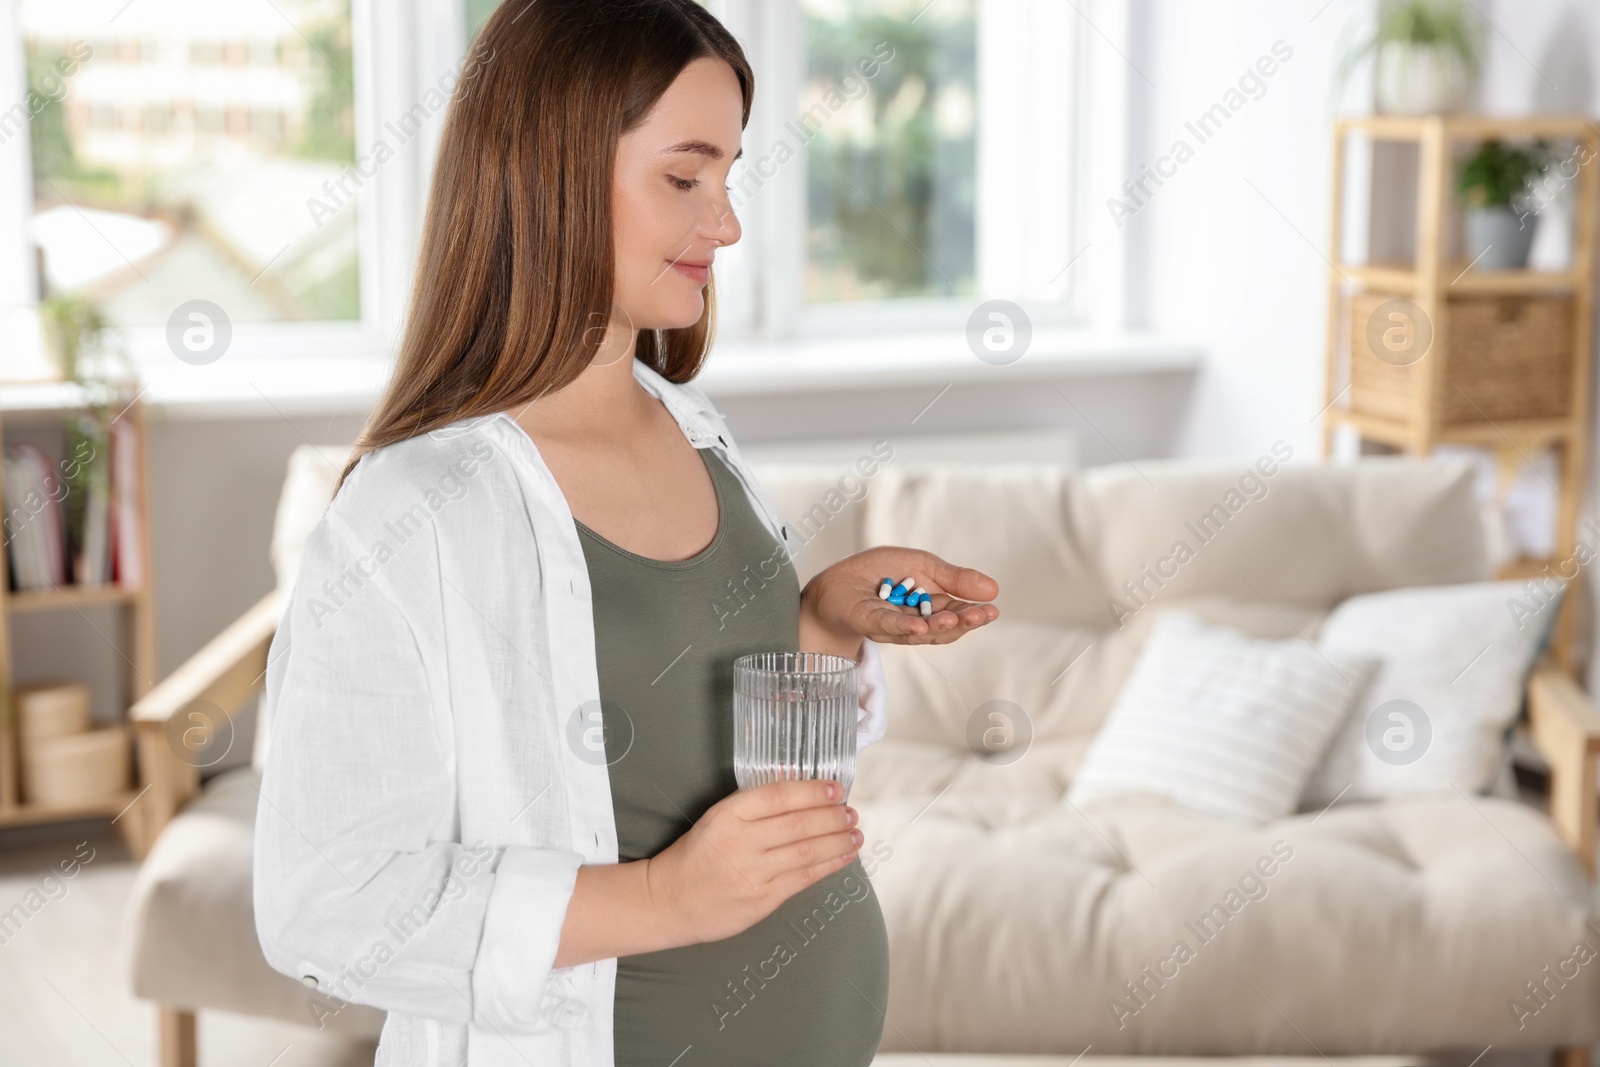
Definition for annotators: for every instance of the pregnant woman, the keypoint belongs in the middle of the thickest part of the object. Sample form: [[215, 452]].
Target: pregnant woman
[[499, 801]]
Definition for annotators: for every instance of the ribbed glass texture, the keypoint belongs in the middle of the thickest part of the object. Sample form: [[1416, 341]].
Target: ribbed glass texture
[[794, 716]]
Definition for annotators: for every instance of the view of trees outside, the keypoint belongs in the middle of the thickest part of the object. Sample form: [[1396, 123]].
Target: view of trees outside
[[183, 155], [478, 12], [891, 176]]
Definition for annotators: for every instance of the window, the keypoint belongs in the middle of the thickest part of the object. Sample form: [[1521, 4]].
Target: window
[[905, 160], [887, 108], [219, 209], [936, 149]]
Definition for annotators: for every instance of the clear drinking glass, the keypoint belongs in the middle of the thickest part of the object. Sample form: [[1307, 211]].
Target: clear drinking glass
[[794, 716]]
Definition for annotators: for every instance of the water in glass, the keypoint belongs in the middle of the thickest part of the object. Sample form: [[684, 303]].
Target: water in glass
[[794, 716]]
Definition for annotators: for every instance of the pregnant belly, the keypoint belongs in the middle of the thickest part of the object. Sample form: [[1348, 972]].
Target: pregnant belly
[[807, 985]]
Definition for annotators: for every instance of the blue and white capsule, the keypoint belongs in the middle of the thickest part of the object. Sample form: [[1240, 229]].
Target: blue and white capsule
[[906, 593]]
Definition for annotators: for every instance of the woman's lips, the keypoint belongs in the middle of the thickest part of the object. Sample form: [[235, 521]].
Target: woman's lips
[[699, 273]]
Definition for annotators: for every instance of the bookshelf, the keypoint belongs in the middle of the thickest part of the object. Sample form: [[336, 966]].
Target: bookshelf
[[33, 410], [1530, 395]]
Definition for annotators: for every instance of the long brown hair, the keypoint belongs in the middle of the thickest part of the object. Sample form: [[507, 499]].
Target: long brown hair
[[515, 273]]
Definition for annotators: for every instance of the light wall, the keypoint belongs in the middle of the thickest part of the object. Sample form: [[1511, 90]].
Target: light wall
[[1231, 253], [1233, 246]]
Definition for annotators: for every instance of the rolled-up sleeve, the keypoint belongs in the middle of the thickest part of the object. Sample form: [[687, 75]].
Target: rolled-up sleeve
[[361, 889], [873, 720]]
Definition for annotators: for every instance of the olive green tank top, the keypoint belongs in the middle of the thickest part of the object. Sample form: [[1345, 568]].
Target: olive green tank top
[[807, 985]]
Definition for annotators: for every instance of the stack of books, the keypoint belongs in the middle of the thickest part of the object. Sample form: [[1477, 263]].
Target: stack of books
[[55, 539]]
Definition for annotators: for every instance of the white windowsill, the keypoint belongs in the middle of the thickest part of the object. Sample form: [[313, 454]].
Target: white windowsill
[[325, 386], [937, 359]]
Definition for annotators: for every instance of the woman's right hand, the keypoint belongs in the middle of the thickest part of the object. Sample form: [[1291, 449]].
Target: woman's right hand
[[750, 852]]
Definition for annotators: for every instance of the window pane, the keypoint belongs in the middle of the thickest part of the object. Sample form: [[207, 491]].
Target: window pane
[[478, 12], [891, 169], [195, 149]]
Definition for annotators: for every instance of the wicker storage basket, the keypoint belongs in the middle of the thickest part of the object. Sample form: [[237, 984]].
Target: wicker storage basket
[[51, 710], [1509, 357], [76, 768]]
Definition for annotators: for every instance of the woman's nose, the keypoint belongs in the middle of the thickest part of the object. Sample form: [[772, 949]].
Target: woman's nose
[[722, 224]]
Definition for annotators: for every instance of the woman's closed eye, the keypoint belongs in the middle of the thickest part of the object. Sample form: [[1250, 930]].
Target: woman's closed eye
[[683, 184]]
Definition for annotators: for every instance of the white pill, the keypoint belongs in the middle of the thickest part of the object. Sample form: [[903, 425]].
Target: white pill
[[884, 590], [926, 607]]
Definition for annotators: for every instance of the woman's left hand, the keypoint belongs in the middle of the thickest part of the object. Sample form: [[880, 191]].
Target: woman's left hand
[[840, 605]]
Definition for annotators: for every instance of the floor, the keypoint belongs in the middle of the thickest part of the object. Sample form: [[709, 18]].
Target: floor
[[64, 997]]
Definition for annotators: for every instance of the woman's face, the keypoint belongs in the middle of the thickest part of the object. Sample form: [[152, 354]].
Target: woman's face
[[669, 202]]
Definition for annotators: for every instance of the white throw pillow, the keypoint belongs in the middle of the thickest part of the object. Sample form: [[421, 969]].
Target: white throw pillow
[[1220, 722], [1454, 661]]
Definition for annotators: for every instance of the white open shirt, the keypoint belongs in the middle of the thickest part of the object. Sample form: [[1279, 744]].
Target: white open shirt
[[429, 792]]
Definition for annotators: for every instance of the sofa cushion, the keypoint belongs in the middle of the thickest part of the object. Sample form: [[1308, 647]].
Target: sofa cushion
[[1454, 662], [1310, 535], [1059, 682], [1021, 926], [192, 926], [1221, 722], [1016, 522]]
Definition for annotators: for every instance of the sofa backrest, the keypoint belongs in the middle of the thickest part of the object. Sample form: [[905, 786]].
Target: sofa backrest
[[1087, 560]]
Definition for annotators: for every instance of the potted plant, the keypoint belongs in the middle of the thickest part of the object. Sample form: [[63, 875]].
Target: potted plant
[[1492, 184], [74, 329], [79, 338], [1425, 57]]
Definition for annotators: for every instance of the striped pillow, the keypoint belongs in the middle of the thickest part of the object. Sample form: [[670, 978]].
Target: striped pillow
[[1221, 722]]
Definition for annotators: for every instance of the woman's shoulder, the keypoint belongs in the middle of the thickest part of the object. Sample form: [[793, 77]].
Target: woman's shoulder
[[430, 470], [405, 501]]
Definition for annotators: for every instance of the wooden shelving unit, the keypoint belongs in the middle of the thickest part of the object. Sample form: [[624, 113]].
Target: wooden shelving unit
[[27, 405], [1438, 283]]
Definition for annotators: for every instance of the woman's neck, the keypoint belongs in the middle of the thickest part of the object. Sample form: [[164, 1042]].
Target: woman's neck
[[604, 402]]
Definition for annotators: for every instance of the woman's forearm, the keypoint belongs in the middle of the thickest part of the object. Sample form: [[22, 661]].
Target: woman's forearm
[[611, 913]]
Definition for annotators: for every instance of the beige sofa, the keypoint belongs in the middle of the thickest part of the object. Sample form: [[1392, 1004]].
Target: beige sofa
[[1014, 919]]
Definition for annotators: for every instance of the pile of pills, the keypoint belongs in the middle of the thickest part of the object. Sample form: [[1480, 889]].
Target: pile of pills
[[904, 594]]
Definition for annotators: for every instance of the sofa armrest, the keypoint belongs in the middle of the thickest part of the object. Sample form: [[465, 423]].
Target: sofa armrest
[[223, 674], [1566, 728]]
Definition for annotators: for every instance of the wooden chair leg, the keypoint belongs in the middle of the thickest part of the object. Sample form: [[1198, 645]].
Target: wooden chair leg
[[176, 1038], [1575, 1056]]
